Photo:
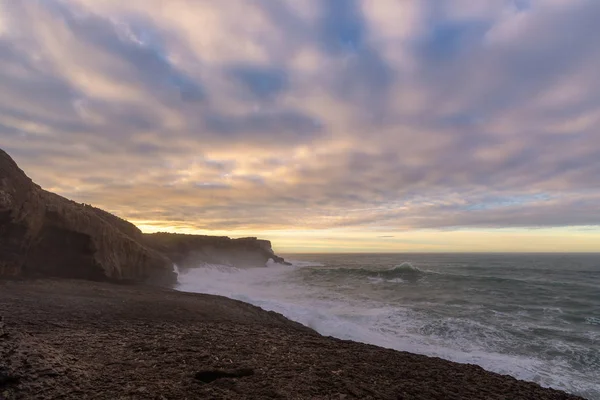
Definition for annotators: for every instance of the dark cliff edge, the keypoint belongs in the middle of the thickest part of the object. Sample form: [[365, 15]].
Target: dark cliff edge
[[45, 235], [188, 251]]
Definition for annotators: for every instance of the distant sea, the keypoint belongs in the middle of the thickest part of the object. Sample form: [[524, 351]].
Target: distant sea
[[532, 316]]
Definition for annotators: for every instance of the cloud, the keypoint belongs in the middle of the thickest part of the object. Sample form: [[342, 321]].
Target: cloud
[[263, 123], [358, 114], [262, 82]]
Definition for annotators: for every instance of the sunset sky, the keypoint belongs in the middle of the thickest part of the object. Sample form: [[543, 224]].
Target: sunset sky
[[323, 125]]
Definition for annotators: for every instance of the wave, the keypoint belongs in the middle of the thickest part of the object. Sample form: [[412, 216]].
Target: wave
[[407, 272], [304, 264], [402, 272], [592, 320], [305, 294]]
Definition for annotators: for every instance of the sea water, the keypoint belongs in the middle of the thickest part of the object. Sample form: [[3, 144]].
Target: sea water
[[532, 316]]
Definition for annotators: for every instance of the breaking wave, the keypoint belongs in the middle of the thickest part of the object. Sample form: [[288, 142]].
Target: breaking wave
[[470, 317], [404, 271]]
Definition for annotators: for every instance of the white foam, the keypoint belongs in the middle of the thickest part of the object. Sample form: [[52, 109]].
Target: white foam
[[304, 264], [375, 279], [281, 289], [395, 280], [593, 320]]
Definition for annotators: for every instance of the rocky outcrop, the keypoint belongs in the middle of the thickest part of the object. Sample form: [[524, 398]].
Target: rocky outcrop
[[43, 234], [193, 250]]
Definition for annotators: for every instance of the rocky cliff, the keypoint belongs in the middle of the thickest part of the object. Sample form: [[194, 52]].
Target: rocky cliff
[[193, 250], [43, 234]]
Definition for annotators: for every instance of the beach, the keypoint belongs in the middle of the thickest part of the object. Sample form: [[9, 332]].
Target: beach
[[531, 316], [77, 339]]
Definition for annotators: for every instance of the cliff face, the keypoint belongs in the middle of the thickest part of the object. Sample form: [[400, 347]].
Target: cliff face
[[189, 251], [43, 234]]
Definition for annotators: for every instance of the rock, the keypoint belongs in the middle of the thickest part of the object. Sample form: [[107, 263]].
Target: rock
[[189, 251], [44, 234]]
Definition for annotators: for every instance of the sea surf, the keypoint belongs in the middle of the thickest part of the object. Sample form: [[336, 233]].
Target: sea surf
[[532, 316]]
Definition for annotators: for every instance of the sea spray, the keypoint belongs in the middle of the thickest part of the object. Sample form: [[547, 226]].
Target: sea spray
[[458, 308]]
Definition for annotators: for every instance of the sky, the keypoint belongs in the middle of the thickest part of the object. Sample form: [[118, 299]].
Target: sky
[[323, 125]]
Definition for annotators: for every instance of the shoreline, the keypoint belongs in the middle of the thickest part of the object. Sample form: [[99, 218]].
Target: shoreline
[[80, 339]]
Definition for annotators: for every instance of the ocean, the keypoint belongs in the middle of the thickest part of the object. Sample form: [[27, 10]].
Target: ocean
[[532, 316]]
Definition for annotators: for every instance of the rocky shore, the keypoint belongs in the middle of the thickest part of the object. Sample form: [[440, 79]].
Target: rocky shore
[[119, 332], [72, 339]]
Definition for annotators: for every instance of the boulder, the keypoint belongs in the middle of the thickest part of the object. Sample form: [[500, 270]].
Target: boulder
[[44, 234]]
